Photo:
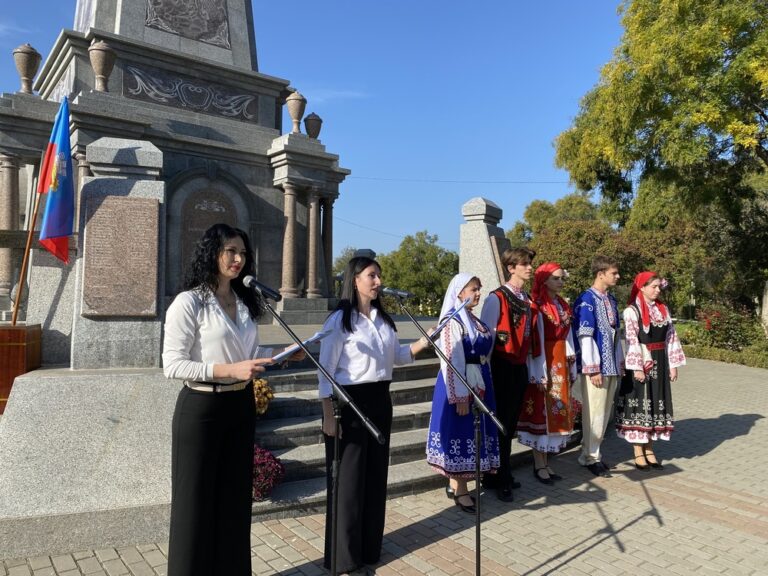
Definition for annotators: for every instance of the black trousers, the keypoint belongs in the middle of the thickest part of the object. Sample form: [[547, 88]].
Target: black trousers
[[212, 483], [509, 383], [362, 479]]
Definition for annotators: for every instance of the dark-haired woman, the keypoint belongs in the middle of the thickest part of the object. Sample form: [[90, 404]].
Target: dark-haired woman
[[644, 414], [360, 354], [212, 345]]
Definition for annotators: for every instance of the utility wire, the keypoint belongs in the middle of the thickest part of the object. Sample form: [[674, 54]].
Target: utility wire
[[434, 181], [382, 231]]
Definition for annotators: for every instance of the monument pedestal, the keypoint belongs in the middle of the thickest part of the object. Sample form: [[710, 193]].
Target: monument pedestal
[[19, 353]]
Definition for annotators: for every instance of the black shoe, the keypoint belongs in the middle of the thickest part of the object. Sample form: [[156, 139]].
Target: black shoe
[[471, 509], [450, 492], [554, 476], [548, 481], [599, 470], [505, 493], [655, 464], [641, 464], [514, 483]]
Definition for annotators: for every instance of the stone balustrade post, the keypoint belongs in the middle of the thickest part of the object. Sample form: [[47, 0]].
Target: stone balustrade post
[[288, 288], [313, 244], [328, 242], [9, 217]]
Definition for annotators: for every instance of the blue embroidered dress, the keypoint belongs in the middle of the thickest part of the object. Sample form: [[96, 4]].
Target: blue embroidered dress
[[451, 439]]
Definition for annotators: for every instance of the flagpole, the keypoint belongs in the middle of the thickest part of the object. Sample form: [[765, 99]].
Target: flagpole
[[25, 261]]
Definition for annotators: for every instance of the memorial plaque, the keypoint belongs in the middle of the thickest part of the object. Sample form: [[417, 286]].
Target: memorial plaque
[[120, 255], [203, 20], [202, 210]]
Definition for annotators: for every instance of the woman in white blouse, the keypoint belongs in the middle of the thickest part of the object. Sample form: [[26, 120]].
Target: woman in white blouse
[[360, 354], [212, 345], [644, 410]]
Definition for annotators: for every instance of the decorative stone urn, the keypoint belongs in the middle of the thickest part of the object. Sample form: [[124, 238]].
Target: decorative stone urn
[[296, 105], [27, 61], [102, 58], [312, 124]]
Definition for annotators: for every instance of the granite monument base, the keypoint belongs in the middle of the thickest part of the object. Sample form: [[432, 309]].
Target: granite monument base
[[85, 460]]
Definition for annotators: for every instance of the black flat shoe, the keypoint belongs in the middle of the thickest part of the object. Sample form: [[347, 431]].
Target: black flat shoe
[[554, 476], [464, 508], [547, 481], [598, 470], [505, 494], [639, 465]]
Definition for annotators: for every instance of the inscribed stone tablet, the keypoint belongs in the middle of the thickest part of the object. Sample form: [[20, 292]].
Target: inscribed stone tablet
[[121, 257]]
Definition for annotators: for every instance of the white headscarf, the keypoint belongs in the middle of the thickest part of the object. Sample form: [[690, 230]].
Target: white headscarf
[[451, 302]]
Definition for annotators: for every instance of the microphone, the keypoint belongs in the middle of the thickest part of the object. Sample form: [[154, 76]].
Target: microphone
[[267, 292], [397, 293]]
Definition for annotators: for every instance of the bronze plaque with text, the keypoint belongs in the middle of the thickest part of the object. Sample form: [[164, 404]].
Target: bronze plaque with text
[[121, 257]]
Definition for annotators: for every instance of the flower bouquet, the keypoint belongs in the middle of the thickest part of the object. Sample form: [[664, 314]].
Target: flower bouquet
[[263, 394], [268, 472]]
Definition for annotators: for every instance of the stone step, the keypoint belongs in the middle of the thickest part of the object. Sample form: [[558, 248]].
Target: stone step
[[302, 497], [305, 430], [307, 304], [305, 377], [306, 402], [304, 462], [294, 317]]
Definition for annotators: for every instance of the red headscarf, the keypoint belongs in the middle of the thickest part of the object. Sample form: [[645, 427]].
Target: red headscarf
[[636, 298], [540, 294]]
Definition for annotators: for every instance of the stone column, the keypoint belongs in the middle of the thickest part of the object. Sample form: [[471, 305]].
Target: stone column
[[328, 242], [83, 172], [313, 237], [9, 218], [288, 289]]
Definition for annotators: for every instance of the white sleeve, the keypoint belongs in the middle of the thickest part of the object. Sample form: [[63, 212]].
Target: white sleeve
[[181, 330], [451, 345], [590, 355], [331, 348], [490, 313], [537, 365]]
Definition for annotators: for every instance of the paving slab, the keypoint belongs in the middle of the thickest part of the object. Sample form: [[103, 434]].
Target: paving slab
[[705, 513]]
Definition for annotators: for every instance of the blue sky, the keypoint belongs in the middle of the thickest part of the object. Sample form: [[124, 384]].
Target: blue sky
[[429, 103]]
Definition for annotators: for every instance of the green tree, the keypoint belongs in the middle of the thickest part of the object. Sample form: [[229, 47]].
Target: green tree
[[540, 215], [341, 261], [420, 266], [685, 99]]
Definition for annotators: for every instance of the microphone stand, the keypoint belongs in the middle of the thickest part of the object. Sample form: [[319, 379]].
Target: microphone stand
[[478, 407], [339, 399]]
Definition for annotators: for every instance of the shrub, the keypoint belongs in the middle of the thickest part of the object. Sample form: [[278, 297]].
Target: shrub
[[268, 472], [747, 357], [728, 329]]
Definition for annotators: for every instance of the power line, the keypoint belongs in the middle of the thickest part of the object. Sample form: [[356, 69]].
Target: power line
[[382, 231], [434, 181]]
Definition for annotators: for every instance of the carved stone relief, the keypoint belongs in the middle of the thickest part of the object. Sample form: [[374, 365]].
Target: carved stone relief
[[203, 20], [160, 87]]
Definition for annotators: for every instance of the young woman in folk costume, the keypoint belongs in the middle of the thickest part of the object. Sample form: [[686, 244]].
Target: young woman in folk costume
[[467, 342], [644, 413], [546, 421]]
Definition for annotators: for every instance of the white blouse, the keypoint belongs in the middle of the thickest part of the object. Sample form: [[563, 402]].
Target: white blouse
[[199, 334], [367, 354]]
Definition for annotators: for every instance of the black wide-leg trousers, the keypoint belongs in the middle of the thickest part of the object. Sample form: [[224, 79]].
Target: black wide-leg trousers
[[212, 482], [509, 383], [362, 479]]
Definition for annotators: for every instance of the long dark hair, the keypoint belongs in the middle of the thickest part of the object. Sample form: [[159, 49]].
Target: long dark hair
[[348, 302], [203, 270]]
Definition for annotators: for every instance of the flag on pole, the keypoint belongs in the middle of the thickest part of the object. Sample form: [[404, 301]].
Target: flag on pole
[[56, 179]]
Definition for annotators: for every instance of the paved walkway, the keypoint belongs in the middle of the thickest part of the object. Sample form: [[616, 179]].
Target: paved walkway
[[705, 513]]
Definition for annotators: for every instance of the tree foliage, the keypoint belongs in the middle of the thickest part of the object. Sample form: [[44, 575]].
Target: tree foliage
[[341, 261], [420, 266], [684, 99]]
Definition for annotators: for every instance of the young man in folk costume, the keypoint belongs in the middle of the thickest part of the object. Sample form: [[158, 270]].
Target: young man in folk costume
[[517, 358], [600, 360]]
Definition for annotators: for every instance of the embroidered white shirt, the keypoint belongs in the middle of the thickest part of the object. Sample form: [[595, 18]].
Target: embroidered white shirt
[[199, 334], [367, 354]]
